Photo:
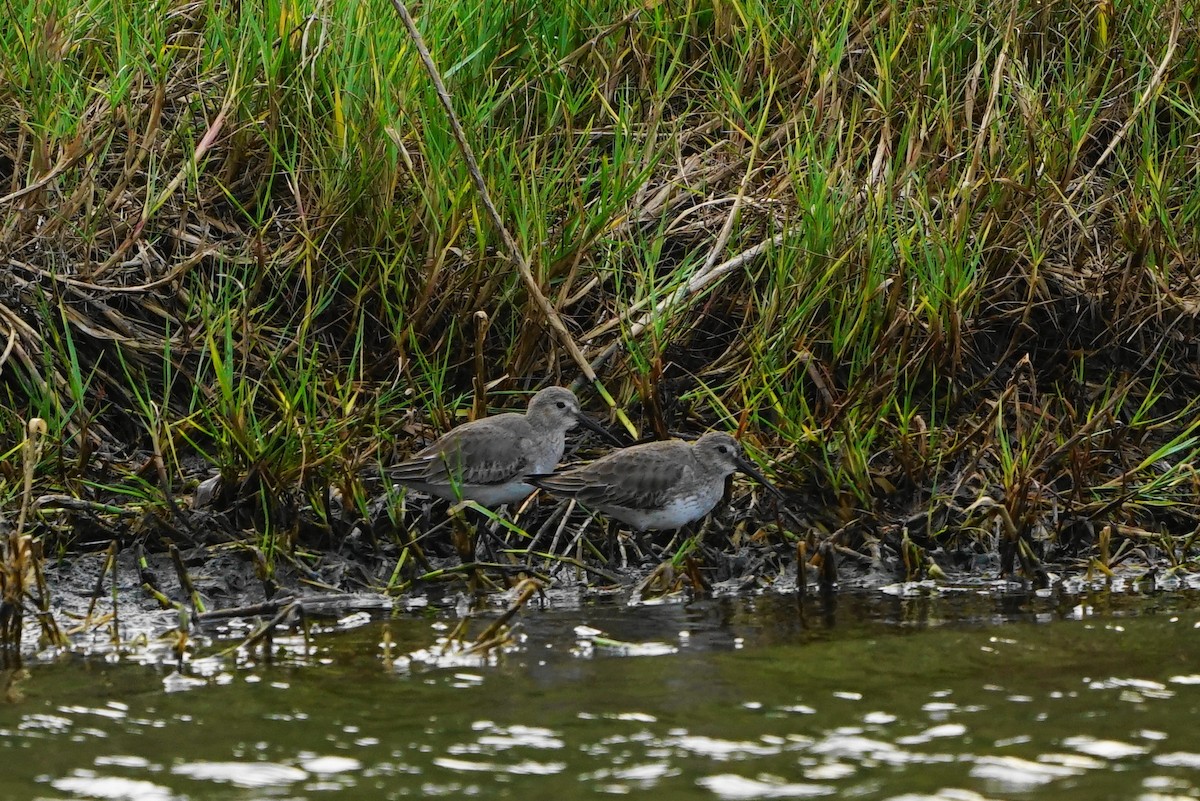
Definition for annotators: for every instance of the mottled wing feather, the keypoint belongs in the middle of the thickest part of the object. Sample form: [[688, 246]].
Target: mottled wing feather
[[633, 478], [489, 451]]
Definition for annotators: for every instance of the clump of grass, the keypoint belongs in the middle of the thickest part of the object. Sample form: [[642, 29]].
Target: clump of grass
[[22, 585], [925, 253]]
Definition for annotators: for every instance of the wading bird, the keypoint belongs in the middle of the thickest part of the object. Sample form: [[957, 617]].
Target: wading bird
[[656, 485], [487, 460]]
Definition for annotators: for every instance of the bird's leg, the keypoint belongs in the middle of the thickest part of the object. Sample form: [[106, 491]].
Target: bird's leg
[[696, 530], [630, 541], [679, 536], [488, 537], [462, 534], [486, 541], [671, 543]]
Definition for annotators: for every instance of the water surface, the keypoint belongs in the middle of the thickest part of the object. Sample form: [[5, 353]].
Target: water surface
[[972, 693]]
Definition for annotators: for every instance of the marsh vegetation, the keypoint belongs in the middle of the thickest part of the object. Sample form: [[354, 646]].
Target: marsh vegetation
[[936, 263]]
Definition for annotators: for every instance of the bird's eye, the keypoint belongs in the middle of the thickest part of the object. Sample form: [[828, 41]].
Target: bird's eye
[[724, 449], [562, 404]]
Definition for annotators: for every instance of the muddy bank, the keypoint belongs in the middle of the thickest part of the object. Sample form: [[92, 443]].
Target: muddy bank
[[197, 560], [155, 583]]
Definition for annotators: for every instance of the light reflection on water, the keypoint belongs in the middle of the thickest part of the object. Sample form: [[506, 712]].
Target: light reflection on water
[[899, 696]]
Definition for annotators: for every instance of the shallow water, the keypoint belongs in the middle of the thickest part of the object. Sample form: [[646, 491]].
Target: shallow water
[[963, 693]]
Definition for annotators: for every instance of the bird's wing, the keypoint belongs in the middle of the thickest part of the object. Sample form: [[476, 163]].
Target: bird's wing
[[487, 451], [633, 478]]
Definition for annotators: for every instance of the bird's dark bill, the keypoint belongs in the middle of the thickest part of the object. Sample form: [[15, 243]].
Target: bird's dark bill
[[752, 471], [592, 425]]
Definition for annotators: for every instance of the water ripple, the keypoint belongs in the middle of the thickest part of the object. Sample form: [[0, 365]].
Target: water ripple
[[241, 774], [1108, 749], [732, 786], [114, 788], [1017, 774], [525, 767]]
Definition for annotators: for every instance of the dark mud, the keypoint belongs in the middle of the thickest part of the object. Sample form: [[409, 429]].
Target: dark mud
[[372, 568], [326, 561]]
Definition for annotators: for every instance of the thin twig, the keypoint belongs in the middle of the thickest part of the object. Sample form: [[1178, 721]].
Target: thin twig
[[1152, 90], [697, 282], [510, 244]]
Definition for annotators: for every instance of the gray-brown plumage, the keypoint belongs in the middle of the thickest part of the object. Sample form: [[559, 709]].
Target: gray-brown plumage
[[487, 460], [656, 485]]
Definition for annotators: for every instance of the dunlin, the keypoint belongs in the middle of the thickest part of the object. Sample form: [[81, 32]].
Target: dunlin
[[486, 461], [656, 485]]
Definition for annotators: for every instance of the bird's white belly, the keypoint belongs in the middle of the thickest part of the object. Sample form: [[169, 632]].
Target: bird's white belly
[[675, 513], [505, 493], [482, 494]]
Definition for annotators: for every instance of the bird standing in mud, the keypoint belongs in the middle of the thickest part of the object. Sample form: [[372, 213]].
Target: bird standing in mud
[[487, 460], [656, 485]]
